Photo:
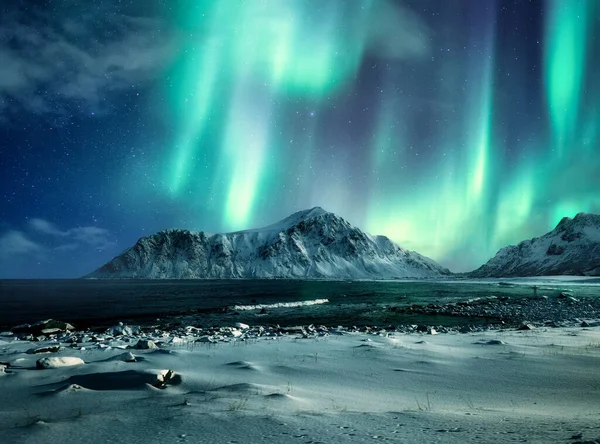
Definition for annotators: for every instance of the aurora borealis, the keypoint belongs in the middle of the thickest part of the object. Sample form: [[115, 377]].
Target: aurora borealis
[[454, 127]]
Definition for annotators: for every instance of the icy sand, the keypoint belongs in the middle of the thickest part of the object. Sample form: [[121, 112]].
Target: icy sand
[[496, 386]]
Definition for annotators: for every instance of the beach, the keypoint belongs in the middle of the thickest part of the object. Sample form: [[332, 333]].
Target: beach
[[309, 384]]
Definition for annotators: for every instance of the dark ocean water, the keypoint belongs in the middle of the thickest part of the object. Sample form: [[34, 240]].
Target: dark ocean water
[[212, 302]]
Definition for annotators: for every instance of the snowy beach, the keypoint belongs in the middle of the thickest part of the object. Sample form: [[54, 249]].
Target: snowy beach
[[333, 385]]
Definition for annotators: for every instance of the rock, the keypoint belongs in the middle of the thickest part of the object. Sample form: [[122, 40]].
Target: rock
[[145, 344], [584, 324], [123, 329], [205, 339], [242, 326], [48, 349], [432, 331], [22, 328], [163, 378], [58, 362], [2, 369], [526, 327], [39, 327], [124, 357], [50, 331], [494, 342]]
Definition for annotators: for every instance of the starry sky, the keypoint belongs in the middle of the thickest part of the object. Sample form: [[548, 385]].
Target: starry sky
[[454, 127]]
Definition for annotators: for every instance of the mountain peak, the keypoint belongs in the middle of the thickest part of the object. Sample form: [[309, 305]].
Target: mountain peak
[[311, 243], [572, 248], [308, 214], [295, 219]]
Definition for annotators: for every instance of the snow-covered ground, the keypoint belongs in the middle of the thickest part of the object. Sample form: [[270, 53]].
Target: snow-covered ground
[[540, 385]]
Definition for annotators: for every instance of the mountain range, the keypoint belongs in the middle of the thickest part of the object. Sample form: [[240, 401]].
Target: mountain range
[[315, 243]]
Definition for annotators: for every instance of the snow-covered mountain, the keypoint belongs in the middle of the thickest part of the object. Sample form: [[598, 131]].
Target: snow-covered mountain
[[572, 248], [309, 244]]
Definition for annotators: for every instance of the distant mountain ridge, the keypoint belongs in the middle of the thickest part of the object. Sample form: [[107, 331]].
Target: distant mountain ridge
[[572, 248], [312, 243]]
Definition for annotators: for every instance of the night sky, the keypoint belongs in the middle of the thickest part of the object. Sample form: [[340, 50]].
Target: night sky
[[455, 127]]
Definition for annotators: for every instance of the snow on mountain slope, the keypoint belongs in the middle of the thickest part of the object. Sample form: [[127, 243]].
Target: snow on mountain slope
[[572, 248], [309, 244]]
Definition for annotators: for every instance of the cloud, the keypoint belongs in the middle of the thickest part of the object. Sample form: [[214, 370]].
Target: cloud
[[73, 238], [16, 243], [45, 227], [92, 236], [50, 59]]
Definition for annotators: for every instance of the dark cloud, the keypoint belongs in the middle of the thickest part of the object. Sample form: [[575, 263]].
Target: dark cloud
[[73, 238], [51, 59], [17, 243]]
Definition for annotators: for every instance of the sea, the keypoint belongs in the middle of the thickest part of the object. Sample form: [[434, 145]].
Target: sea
[[100, 303]]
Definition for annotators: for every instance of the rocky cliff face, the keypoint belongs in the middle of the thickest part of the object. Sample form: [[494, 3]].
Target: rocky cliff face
[[309, 244], [572, 248]]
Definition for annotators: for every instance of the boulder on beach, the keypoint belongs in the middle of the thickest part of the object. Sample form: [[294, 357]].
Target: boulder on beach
[[145, 344], [124, 357], [123, 329], [526, 326], [58, 362]]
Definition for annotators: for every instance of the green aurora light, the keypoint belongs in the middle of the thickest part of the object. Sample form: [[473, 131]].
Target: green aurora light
[[260, 98]]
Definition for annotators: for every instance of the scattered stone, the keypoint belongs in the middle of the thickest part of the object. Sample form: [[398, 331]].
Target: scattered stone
[[58, 362]]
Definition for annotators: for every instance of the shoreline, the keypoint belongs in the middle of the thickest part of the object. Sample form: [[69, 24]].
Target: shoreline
[[479, 314], [361, 303], [303, 385]]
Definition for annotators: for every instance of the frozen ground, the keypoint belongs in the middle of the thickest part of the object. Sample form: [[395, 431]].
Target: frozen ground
[[541, 385]]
